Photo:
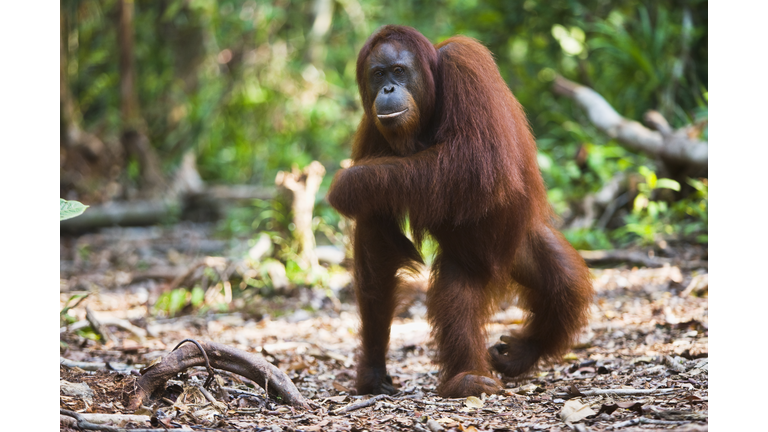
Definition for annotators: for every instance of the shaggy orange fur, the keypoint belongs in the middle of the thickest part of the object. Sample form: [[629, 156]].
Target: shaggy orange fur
[[465, 172]]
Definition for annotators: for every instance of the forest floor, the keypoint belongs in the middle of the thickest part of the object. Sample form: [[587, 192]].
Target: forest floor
[[641, 365]]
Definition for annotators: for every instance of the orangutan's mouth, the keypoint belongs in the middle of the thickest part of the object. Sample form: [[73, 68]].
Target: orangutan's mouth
[[391, 115]]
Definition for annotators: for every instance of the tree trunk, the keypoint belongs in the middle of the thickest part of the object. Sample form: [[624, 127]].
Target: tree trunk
[[134, 138], [73, 135], [129, 103]]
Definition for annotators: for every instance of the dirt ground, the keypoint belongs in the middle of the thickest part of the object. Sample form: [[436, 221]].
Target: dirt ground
[[641, 365]]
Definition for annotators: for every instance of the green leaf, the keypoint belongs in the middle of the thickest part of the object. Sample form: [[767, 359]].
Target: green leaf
[[641, 202], [198, 296], [652, 180], [698, 185], [177, 301], [70, 209], [665, 183]]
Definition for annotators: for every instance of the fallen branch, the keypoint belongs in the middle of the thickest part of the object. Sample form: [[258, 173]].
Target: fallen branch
[[671, 146], [234, 193], [96, 421], [139, 332], [361, 404], [238, 391], [102, 418], [98, 327], [132, 213], [636, 257], [94, 366], [440, 404], [617, 392], [251, 366], [644, 420], [149, 212], [208, 367]]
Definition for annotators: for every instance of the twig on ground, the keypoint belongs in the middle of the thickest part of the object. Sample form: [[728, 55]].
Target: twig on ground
[[94, 366], [93, 421], [645, 420], [98, 327], [139, 332], [220, 406], [102, 418], [618, 392], [243, 392], [361, 404], [441, 404], [80, 300], [251, 366]]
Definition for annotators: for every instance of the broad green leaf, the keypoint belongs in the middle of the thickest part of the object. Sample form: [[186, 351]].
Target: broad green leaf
[[653, 209], [652, 180], [198, 296], [665, 183], [70, 209], [641, 202], [698, 185]]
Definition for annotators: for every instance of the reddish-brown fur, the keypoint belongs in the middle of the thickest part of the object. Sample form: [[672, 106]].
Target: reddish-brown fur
[[467, 175]]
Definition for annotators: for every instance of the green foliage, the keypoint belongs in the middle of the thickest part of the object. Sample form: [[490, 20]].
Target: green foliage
[[273, 218], [653, 219], [64, 317], [247, 86], [694, 211], [644, 220], [172, 302], [645, 61], [252, 89], [70, 209], [588, 239]]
